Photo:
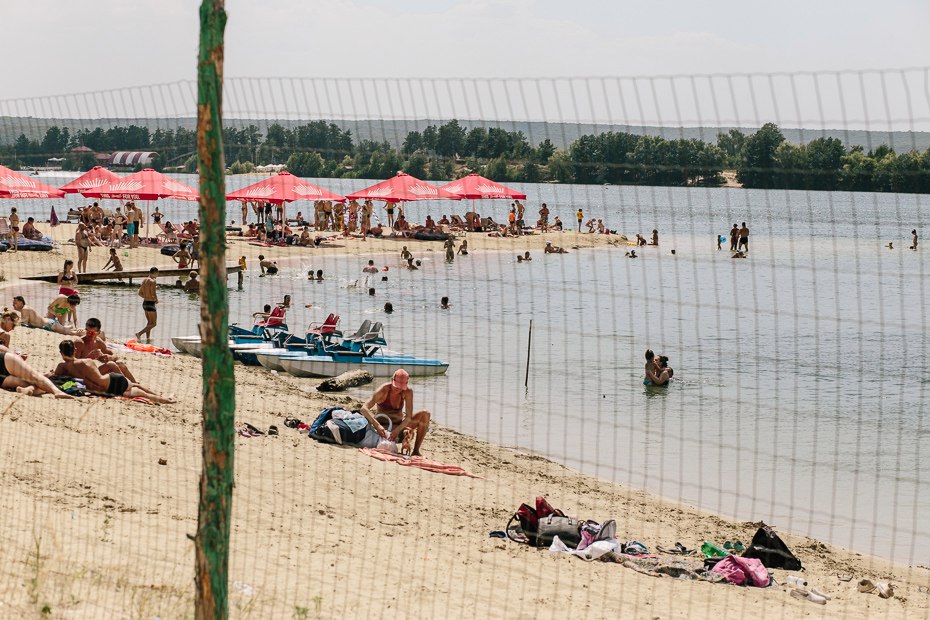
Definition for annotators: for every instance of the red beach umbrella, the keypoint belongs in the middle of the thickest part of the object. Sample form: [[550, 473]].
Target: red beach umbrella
[[402, 188], [144, 185], [476, 187], [16, 185], [98, 176], [283, 187]]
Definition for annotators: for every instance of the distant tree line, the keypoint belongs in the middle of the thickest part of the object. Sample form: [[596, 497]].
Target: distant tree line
[[763, 159]]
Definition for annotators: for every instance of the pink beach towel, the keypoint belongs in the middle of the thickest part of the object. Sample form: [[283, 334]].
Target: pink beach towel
[[417, 461]]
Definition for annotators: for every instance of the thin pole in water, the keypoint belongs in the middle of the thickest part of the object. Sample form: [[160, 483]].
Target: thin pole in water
[[526, 381]]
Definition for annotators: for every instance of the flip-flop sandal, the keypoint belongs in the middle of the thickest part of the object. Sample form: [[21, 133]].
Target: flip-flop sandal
[[272, 431], [253, 430], [846, 578], [684, 550]]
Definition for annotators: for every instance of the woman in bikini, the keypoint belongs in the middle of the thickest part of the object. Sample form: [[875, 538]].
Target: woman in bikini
[[15, 374], [64, 309], [67, 279], [82, 241]]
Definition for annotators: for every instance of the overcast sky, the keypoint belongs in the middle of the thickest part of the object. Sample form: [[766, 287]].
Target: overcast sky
[[97, 45]]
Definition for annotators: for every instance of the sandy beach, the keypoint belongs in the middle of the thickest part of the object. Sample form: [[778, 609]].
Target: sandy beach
[[96, 527]]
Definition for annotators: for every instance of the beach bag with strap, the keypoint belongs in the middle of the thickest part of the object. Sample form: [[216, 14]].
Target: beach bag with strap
[[771, 550], [529, 518], [566, 528]]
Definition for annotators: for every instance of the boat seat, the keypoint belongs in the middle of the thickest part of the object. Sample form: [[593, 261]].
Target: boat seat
[[361, 331]]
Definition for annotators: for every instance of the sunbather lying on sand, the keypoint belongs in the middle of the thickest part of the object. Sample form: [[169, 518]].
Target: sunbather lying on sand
[[31, 318], [112, 383]]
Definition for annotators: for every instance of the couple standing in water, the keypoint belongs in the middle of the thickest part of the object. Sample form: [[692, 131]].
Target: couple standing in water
[[658, 371]]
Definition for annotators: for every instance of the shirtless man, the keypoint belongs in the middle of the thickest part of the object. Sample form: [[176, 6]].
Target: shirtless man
[[114, 261], [450, 249], [112, 383], [405, 254], [395, 400], [149, 303], [914, 242], [554, 249], [31, 318], [132, 224], [743, 239], [92, 347]]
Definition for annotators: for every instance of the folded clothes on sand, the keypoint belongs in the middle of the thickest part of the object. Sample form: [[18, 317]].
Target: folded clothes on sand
[[418, 461]]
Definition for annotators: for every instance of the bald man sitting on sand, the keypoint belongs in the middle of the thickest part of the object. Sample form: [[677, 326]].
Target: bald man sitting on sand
[[395, 400]]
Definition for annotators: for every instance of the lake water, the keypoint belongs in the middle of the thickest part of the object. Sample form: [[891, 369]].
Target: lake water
[[801, 373]]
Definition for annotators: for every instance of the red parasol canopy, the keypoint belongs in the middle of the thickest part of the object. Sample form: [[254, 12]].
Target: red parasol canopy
[[98, 176], [403, 187], [16, 185], [476, 187], [283, 187], [144, 185]]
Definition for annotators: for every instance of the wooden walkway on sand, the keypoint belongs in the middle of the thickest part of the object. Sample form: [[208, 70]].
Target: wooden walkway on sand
[[110, 277]]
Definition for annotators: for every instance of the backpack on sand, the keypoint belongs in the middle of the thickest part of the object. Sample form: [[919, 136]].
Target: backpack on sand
[[771, 550]]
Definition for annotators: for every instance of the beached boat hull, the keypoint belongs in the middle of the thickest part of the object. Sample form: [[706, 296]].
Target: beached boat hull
[[188, 344], [325, 366], [271, 359]]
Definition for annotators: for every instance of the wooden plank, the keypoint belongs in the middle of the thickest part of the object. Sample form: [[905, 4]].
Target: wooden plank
[[92, 277]]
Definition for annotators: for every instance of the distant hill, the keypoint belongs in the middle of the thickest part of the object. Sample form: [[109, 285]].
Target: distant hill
[[395, 131]]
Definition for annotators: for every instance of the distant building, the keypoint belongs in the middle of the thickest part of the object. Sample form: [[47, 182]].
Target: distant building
[[131, 159]]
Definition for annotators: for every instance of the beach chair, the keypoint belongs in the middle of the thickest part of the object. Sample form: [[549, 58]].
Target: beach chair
[[166, 236], [361, 331], [374, 334], [458, 222], [4, 228], [326, 328], [273, 319]]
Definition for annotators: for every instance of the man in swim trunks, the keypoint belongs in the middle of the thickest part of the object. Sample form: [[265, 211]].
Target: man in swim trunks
[[31, 318], [112, 383], [395, 400], [92, 347], [149, 303], [743, 239]]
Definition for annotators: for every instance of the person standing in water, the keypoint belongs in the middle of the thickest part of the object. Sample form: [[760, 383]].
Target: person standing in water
[[149, 303], [914, 241], [743, 239]]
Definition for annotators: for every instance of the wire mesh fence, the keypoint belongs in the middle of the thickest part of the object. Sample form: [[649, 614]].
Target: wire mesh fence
[[763, 232]]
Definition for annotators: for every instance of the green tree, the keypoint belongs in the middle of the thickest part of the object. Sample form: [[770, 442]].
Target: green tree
[[306, 164], [560, 168], [529, 173], [416, 166], [758, 167], [450, 139], [497, 169], [544, 151], [825, 163], [733, 144]]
